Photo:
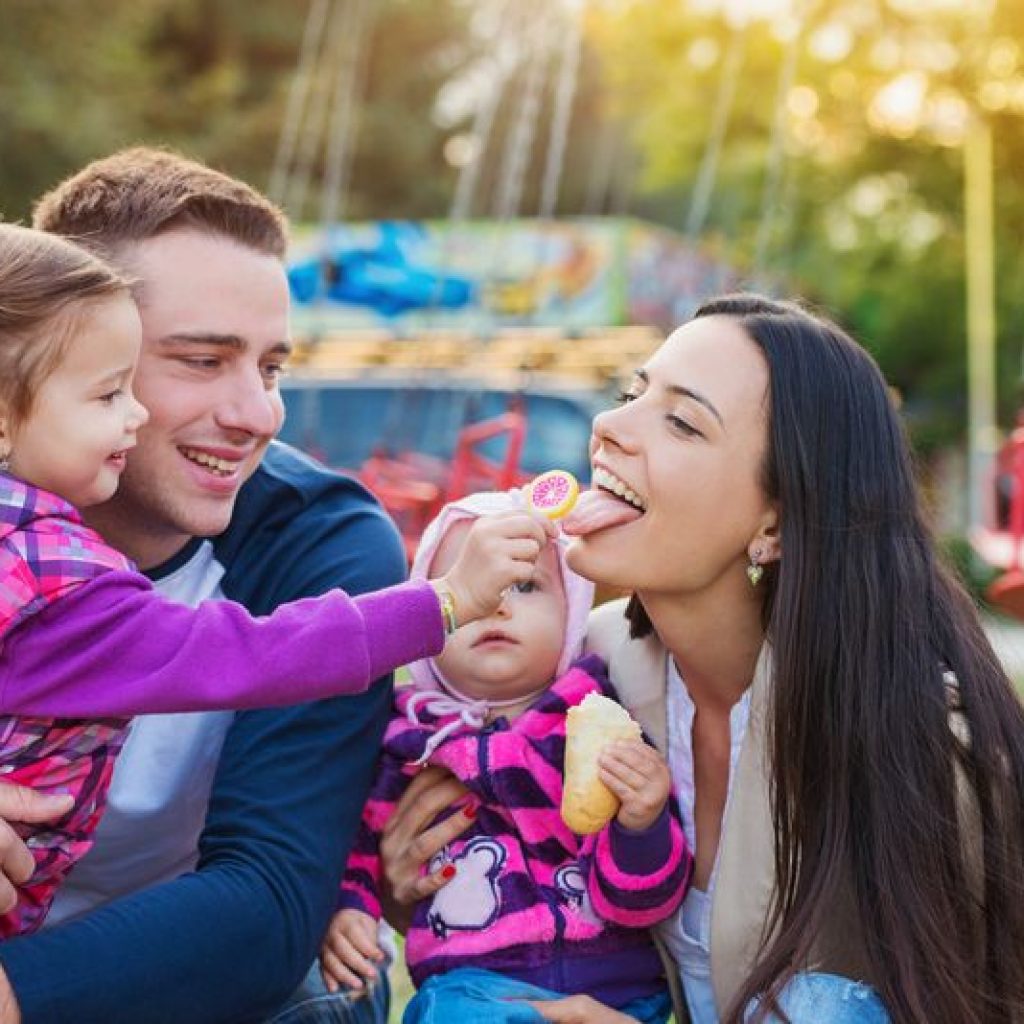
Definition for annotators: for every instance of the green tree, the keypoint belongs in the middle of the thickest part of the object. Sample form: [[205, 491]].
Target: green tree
[[868, 219]]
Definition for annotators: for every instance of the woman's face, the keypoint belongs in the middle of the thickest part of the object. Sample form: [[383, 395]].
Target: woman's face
[[688, 442]]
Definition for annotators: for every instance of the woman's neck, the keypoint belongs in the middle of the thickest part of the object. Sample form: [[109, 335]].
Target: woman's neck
[[715, 645]]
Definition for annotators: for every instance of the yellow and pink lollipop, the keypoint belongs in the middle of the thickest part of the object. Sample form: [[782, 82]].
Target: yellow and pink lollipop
[[553, 493]]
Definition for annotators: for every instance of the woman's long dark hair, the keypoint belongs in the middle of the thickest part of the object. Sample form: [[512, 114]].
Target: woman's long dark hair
[[864, 622]]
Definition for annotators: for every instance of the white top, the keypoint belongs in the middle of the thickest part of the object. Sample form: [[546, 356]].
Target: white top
[[161, 784], [688, 932]]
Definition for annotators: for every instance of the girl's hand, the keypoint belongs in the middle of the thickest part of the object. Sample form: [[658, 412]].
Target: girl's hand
[[499, 551], [349, 951], [638, 775]]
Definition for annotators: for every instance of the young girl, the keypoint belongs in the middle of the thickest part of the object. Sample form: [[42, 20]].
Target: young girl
[[69, 342], [531, 907]]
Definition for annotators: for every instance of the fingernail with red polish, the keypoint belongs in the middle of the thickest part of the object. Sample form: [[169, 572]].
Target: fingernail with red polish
[[448, 872], [470, 811]]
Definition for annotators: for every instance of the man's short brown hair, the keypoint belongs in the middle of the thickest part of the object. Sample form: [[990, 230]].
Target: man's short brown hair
[[139, 193]]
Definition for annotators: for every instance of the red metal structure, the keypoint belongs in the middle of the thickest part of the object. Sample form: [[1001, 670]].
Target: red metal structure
[[1001, 542], [413, 487]]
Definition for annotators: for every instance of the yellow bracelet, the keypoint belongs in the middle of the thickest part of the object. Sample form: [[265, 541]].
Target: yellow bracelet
[[444, 596]]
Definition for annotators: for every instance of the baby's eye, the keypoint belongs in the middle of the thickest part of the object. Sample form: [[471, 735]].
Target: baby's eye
[[110, 396], [526, 587]]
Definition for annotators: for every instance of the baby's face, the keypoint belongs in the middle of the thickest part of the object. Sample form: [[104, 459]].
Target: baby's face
[[515, 651]]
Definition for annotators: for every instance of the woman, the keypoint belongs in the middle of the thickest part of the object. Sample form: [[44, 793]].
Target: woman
[[814, 674]]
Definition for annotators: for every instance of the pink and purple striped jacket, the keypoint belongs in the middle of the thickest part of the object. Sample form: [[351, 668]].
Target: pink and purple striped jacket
[[46, 552], [530, 899]]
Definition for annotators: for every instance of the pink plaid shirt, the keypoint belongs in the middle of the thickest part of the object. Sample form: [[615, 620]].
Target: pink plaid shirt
[[45, 553]]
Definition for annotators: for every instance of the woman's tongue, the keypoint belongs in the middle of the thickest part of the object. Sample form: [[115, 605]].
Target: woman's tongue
[[597, 510]]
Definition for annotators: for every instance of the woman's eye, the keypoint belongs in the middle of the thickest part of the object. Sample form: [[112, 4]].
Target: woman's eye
[[110, 396], [201, 362], [625, 396], [274, 370], [684, 427], [526, 587]]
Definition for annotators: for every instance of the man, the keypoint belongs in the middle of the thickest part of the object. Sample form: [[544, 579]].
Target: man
[[216, 865]]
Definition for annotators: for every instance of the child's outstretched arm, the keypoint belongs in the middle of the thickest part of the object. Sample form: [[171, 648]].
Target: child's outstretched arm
[[640, 865], [126, 650]]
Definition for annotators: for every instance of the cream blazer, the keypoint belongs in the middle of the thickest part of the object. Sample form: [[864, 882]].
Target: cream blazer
[[746, 862]]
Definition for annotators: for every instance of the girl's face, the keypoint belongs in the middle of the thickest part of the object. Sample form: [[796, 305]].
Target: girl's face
[[688, 442], [84, 418], [515, 651]]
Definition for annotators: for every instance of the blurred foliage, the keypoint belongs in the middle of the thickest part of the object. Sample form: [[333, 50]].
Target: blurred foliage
[[975, 575], [866, 220], [211, 77]]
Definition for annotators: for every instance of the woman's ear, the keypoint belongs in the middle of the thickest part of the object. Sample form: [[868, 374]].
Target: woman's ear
[[766, 545]]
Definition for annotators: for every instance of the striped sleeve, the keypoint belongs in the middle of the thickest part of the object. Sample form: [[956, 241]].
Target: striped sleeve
[[360, 885], [637, 879], [518, 769]]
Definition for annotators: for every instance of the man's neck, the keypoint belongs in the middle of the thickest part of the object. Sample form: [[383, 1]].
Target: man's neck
[[121, 530]]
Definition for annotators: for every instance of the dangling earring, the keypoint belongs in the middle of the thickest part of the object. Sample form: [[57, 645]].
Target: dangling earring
[[755, 570]]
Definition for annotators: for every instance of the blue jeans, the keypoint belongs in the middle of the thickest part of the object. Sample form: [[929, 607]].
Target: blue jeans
[[313, 1004], [812, 998], [468, 994]]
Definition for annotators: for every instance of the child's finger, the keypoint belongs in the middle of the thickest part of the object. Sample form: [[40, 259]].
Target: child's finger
[[635, 753], [332, 968], [535, 524], [525, 550], [622, 772], [364, 939], [615, 784], [354, 960]]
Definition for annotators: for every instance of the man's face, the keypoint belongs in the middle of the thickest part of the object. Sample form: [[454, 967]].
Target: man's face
[[215, 337]]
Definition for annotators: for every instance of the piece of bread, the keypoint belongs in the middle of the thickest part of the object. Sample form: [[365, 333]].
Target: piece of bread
[[587, 803]]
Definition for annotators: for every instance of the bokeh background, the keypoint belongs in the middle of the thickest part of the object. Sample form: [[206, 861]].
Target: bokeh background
[[862, 154]]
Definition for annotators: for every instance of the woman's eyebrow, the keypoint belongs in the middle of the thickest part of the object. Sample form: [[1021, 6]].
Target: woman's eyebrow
[[685, 392]]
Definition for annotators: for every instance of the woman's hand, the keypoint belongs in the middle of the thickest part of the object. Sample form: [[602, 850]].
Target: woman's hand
[[638, 775], [578, 1010], [407, 844], [350, 951]]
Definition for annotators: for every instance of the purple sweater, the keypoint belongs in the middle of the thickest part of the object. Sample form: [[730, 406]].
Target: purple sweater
[[138, 652], [530, 899], [63, 714]]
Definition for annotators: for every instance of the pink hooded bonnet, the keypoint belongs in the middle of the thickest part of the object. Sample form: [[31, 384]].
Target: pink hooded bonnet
[[579, 595]]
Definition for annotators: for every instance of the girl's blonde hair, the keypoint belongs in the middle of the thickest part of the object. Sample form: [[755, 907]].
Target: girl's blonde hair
[[46, 284]]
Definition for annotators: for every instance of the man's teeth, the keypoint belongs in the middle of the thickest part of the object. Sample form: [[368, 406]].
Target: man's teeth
[[220, 466], [609, 482]]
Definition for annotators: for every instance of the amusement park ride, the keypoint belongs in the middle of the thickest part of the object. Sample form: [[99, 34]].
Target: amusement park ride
[[1000, 542], [409, 350]]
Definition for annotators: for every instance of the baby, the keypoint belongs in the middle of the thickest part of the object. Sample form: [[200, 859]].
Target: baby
[[531, 910]]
